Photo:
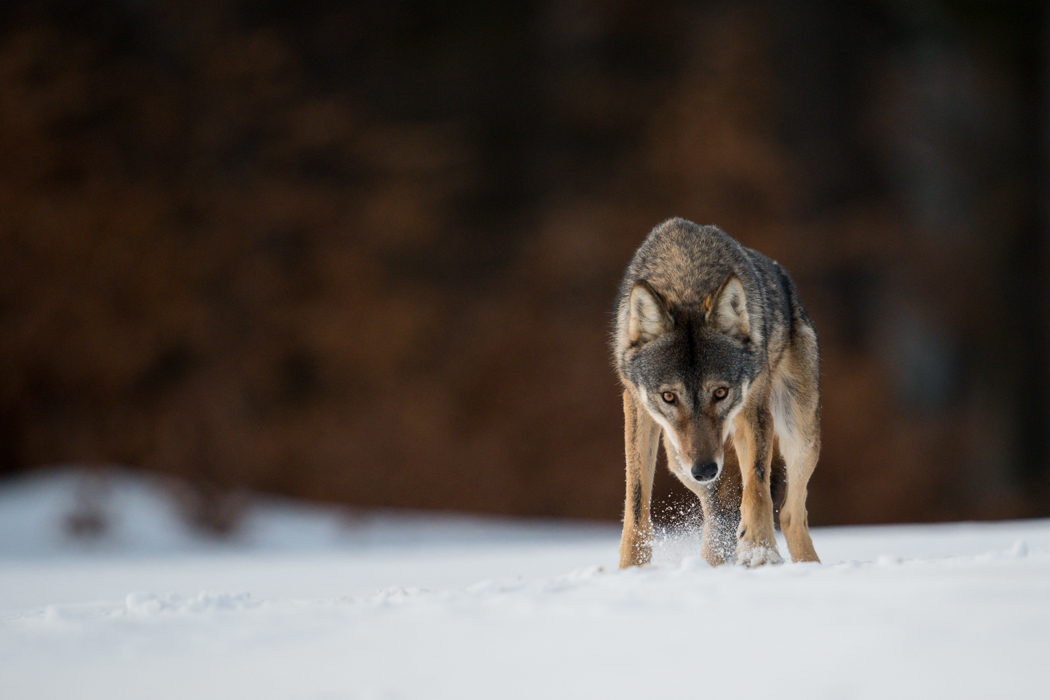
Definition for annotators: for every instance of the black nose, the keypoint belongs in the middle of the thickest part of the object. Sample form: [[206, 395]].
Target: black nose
[[705, 471]]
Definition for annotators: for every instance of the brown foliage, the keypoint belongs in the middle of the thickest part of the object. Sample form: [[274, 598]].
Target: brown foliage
[[369, 255]]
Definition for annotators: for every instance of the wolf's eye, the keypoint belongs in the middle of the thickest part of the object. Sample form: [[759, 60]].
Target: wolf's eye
[[669, 397], [720, 393]]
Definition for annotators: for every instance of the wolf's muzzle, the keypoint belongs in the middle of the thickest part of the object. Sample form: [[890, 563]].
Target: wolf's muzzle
[[705, 471]]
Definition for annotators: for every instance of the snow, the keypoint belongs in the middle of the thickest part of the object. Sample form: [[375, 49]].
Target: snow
[[318, 603]]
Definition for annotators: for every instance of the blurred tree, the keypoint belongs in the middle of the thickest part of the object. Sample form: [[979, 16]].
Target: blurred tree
[[367, 251]]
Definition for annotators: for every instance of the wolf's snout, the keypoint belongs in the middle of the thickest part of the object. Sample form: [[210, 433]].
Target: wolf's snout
[[705, 471]]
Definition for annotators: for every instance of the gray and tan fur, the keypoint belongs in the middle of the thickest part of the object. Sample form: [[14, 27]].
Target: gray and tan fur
[[716, 353]]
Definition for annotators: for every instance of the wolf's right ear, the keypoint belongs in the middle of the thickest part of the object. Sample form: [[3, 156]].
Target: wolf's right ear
[[650, 315]]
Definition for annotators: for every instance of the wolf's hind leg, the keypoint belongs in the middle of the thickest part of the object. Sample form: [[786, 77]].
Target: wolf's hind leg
[[797, 417], [642, 439], [794, 521]]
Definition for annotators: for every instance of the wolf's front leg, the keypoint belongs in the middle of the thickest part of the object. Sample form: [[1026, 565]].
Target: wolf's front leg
[[756, 539], [719, 538], [641, 438], [721, 504]]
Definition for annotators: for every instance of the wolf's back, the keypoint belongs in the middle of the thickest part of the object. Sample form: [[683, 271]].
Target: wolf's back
[[686, 262]]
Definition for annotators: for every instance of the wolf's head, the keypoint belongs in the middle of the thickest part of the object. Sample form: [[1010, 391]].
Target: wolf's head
[[692, 367]]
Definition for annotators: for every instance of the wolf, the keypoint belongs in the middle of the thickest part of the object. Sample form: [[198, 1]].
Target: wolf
[[716, 353]]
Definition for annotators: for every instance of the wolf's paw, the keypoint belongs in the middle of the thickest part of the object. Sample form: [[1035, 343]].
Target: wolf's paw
[[757, 555]]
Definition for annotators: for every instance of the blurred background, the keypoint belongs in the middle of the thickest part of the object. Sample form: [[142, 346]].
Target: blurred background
[[366, 253]]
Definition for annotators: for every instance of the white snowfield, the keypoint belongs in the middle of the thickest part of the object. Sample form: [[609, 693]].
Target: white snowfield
[[309, 603]]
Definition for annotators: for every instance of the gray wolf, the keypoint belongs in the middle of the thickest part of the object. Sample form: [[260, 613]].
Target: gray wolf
[[715, 352]]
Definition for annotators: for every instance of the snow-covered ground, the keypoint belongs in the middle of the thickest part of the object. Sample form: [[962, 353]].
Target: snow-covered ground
[[312, 603]]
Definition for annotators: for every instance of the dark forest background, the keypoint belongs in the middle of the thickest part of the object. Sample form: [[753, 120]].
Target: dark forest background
[[367, 252]]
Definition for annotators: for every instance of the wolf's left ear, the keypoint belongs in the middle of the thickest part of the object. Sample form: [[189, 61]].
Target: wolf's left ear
[[650, 315], [727, 309]]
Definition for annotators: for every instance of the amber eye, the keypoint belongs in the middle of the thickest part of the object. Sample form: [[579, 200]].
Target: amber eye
[[669, 397], [720, 393]]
